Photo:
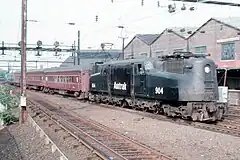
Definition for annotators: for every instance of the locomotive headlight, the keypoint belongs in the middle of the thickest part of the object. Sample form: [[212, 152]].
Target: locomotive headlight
[[207, 69]]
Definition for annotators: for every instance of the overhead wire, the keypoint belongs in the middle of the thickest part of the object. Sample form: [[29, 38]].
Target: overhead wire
[[120, 16], [143, 19]]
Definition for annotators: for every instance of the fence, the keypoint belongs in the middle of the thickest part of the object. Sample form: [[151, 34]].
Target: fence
[[234, 97]]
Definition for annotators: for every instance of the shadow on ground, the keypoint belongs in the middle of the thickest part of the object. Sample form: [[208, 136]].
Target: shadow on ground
[[8, 147]]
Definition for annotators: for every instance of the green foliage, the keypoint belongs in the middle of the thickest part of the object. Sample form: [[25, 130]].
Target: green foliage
[[11, 102], [3, 73], [8, 117]]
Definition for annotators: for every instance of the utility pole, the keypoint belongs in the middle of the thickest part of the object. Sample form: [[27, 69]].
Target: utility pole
[[23, 103], [188, 48], [74, 53], [78, 50], [123, 41]]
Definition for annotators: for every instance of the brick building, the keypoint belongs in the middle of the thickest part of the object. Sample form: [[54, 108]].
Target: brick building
[[218, 36], [151, 45], [221, 38], [170, 40], [140, 46]]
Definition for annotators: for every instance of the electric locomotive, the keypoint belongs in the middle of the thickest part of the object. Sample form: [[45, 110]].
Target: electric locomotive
[[182, 84]]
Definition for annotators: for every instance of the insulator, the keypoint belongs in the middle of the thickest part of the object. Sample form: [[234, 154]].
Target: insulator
[[191, 8], [142, 2], [158, 3], [171, 9], [183, 7], [112, 1], [96, 18]]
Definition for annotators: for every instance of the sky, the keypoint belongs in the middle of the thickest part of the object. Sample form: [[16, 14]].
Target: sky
[[53, 16]]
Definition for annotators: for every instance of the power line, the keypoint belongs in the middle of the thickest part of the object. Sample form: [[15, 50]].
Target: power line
[[211, 2]]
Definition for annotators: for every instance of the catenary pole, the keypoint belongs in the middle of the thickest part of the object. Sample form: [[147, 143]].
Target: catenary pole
[[22, 116], [78, 50]]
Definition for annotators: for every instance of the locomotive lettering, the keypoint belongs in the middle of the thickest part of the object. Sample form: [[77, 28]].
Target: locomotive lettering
[[93, 85], [158, 90], [120, 86]]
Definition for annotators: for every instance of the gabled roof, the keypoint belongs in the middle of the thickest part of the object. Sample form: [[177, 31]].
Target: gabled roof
[[233, 22], [146, 38], [183, 32]]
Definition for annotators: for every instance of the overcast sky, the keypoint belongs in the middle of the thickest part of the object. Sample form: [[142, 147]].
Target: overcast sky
[[53, 16]]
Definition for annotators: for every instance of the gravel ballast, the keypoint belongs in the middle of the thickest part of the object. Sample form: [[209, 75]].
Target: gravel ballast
[[22, 142], [72, 149], [180, 142]]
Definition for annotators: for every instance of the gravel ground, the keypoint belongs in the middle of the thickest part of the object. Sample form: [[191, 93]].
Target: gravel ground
[[180, 142], [73, 149], [21, 142]]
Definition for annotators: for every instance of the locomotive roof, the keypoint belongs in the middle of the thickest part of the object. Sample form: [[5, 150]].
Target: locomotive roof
[[62, 69], [139, 60]]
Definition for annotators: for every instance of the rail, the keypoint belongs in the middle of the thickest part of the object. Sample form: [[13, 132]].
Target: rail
[[106, 143], [46, 138]]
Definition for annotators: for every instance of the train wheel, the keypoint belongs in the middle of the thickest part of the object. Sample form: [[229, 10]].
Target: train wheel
[[134, 107], [124, 104], [195, 116], [156, 111], [145, 109]]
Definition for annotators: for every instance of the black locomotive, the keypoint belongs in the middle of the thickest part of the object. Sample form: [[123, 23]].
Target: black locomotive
[[182, 84]]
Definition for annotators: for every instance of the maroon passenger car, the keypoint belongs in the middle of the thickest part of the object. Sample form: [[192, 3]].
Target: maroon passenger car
[[16, 78], [35, 79], [67, 80]]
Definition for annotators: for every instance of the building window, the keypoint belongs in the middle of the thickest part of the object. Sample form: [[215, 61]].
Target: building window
[[159, 53], [144, 54], [201, 49], [228, 51], [178, 50]]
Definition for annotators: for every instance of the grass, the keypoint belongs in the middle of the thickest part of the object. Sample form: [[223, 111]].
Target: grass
[[8, 114]]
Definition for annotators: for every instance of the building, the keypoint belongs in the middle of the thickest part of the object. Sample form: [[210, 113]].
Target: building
[[218, 36], [140, 45], [151, 45], [172, 39], [88, 57], [221, 38]]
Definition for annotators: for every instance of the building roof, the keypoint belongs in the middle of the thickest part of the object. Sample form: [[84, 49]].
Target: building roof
[[147, 38], [186, 32], [232, 21], [183, 32], [91, 56]]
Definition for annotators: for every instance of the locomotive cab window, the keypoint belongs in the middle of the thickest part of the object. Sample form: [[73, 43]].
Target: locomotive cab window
[[104, 71], [140, 69]]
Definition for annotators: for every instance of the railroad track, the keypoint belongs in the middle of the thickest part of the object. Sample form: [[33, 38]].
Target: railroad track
[[103, 141], [230, 125], [47, 140]]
